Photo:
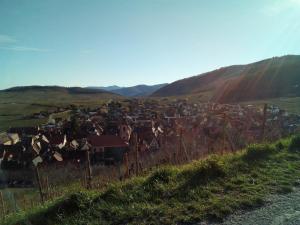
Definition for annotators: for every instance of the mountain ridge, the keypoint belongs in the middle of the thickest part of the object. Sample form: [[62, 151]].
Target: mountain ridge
[[70, 90], [269, 78], [106, 88], [140, 90]]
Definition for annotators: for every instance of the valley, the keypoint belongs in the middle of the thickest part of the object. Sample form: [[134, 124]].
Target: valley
[[98, 138]]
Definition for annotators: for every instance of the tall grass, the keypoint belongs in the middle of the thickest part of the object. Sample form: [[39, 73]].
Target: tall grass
[[208, 189]]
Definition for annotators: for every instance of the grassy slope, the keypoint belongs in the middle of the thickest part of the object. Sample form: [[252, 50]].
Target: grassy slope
[[207, 189], [271, 78], [292, 105], [15, 105]]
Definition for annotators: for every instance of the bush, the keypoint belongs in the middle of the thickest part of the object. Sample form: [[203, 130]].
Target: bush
[[279, 146], [257, 152], [207, 170], [163, 175], [64, 207], [212, 168], [156, 185], [114, 194], [295, 144]]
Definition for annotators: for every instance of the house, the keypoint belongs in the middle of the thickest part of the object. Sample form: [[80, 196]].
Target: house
[[107, 148], [57, 140], [9, 138], [15, 156], [125, 132], [24, 131], [146, 138]]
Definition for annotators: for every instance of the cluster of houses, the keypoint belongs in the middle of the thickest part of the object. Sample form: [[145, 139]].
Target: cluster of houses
[[116, 128]]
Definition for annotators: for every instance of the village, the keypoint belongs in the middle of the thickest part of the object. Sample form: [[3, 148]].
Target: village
[[135, 135]]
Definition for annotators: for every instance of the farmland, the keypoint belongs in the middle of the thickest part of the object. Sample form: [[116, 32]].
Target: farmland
[[292, 105], [172, 132], [16, 106]]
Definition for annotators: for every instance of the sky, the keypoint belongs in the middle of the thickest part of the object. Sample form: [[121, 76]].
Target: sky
[[129, 42]]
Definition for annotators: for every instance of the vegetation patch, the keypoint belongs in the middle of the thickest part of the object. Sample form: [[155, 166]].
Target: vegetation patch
[[257, 152], [209, 189], [295, 144]]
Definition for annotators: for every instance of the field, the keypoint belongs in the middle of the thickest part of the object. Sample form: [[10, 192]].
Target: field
[[209, 189], [149, 195], [292, 105], [14, 106]]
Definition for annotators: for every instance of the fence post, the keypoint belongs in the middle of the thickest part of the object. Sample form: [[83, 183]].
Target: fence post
[[264, 123], [136, 155], [2, 204], [126, 165], [47, 188], [89, 170], [182, 146], [38, 179], [15, 204], [185, 150]]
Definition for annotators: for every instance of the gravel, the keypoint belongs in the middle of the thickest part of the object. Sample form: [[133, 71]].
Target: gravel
[[279, 210]]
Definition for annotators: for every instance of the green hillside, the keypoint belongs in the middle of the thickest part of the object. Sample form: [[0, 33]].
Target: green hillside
[[17, 103], [271, 78], [209, 189]]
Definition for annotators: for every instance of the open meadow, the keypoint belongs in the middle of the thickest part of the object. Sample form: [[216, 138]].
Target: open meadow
[[17, 107]]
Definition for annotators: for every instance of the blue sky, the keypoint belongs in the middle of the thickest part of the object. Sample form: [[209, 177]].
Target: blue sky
[[128, 42]]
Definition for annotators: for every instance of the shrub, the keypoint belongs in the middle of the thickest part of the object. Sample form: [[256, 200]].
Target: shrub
[[156, 185], [257, 152], [163, 175], [209, 169], [295, 144], [66, 206], [114, 194], [279, 146], [212, 168]]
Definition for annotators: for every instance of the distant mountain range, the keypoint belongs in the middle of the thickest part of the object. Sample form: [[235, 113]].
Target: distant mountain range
[[57, 89], [108, 88], [134, 91], [270, 78]]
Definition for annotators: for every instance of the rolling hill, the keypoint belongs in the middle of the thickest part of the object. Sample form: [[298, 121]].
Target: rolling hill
[[270, 78], [55, 89], [138, 90], [107, 88], [134, 91], [17, 103]]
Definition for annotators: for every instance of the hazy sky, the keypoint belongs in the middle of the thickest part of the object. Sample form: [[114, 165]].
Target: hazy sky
[[128, 42]]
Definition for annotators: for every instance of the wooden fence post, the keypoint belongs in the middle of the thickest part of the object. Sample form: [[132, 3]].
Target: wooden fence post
[[185, 150], [136, 155], [15, 204], [89, 170], [2, 204], [47, 188], [180, 145], [262, 137], [37, 173], [126, 165], [24, 203]]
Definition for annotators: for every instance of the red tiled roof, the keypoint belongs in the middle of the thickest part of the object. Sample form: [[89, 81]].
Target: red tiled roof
[[106, 141], [25, 130], [56, 139]]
